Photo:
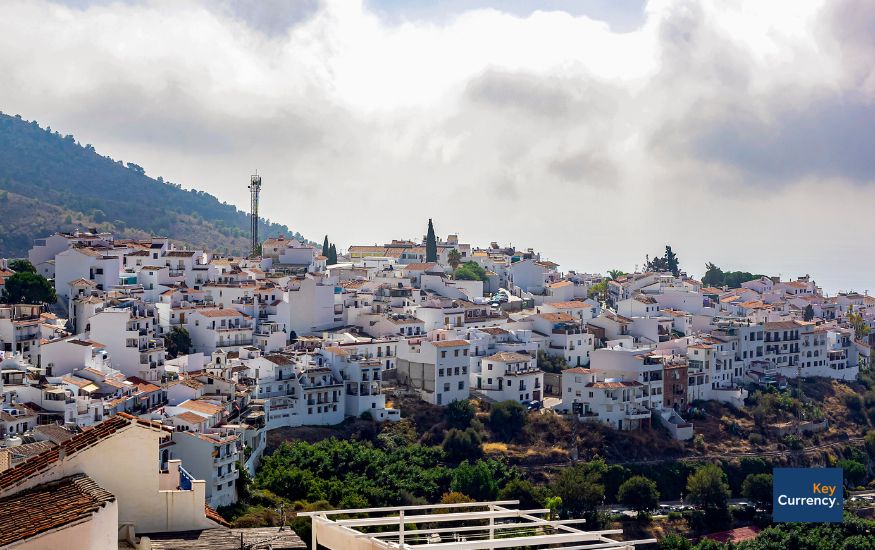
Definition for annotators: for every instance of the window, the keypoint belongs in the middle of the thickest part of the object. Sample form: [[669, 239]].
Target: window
[[443, 354], [446, 386], [456, 353], [462, 385]]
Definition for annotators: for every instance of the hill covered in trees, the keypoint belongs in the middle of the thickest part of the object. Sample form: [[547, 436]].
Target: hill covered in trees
[[49, 182]]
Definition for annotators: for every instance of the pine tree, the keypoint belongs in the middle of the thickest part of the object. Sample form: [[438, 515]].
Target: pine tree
[[332, 255], [430, 244], [671, 261], [325, 246]]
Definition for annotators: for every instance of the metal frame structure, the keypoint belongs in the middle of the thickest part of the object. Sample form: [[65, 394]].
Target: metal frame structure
[[473, 526], [254, 190]]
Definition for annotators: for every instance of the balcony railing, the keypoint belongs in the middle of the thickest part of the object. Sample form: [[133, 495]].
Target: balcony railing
[[185, 479]]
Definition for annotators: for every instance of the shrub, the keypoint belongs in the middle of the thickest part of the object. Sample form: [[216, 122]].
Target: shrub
[[462, 445], [507, 419]]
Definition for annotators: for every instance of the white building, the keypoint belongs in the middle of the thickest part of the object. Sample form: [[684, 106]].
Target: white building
[[436, 366]]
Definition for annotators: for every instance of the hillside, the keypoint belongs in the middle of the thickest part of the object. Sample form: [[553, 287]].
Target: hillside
[[49, 183]]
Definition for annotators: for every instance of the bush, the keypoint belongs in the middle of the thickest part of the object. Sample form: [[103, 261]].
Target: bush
[[462, 445], [459, 414], [639, 493], [507, 419]]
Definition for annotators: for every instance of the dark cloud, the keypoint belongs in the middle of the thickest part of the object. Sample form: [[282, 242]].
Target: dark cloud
[[527, 93], [272, 17], [831, 136], [586, 167]]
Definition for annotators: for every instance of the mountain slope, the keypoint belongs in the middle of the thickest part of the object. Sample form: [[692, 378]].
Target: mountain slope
[[49, 183]]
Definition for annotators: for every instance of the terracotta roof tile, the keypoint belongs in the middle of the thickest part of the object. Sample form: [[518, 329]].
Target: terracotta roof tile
[[49, 506]]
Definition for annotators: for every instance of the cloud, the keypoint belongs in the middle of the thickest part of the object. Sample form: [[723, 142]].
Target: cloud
[[707, 125]]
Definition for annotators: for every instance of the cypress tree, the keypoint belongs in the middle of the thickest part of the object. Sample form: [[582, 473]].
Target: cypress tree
[[430, 244], [325, 246], [332, 255]]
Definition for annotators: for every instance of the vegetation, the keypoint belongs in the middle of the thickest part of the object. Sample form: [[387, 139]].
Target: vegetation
[[758, 489], [454, 258], [506, 419], [470, 271], [852, 534], [21, 266], [462, 445], [48, 179], [177, 342], [639, 494], [667, 262], [598, 291], [808, 313], [430, 244], [332, 255], [616, 273], [459, 414], [707, 488], [551, 363], [858, 323], [27, 287], [716, 277], [580, 488]]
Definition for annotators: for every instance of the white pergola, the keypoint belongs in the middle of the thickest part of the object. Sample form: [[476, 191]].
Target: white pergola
[[468, 526]]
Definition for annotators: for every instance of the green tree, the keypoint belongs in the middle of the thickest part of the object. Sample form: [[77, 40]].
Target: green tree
[[459, 414], [454, 257], [461, 445], [21, 266], [672, 262], [615, 274], [675, 541], [870, 444], [553, 503], [808, 313], [713, 276], [507, 419], [332, 255], [477, 480], [243, 484], [758, 489], [639, 494], [177, 342], [598, 291], [858, 323], [28, 288], [430, 244], [325, 248], [707, 487], [470, 271], [580, 488], [530, 496], [855, 472]]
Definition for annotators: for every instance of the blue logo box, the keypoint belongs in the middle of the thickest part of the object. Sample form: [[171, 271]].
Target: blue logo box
[[808, 495]]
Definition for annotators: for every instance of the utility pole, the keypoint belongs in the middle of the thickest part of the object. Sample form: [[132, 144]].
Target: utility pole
[[254, 190]]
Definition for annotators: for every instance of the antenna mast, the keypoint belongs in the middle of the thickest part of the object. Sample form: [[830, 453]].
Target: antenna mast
[[254, 190]]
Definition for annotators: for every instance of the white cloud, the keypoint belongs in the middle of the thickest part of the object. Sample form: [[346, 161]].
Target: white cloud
[[701, 128]]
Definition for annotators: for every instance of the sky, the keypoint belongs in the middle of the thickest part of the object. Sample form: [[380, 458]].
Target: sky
[[739, 132]]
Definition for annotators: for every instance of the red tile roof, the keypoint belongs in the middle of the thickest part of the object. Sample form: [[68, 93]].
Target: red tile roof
[[214, 516], [86, 439], [49, 506]]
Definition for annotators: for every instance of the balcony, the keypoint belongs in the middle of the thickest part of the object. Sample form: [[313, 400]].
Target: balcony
[[185, 479], [636, 414]]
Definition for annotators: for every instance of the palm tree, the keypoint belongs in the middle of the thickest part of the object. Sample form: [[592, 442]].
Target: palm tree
[[455, 258], [615, 273]]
